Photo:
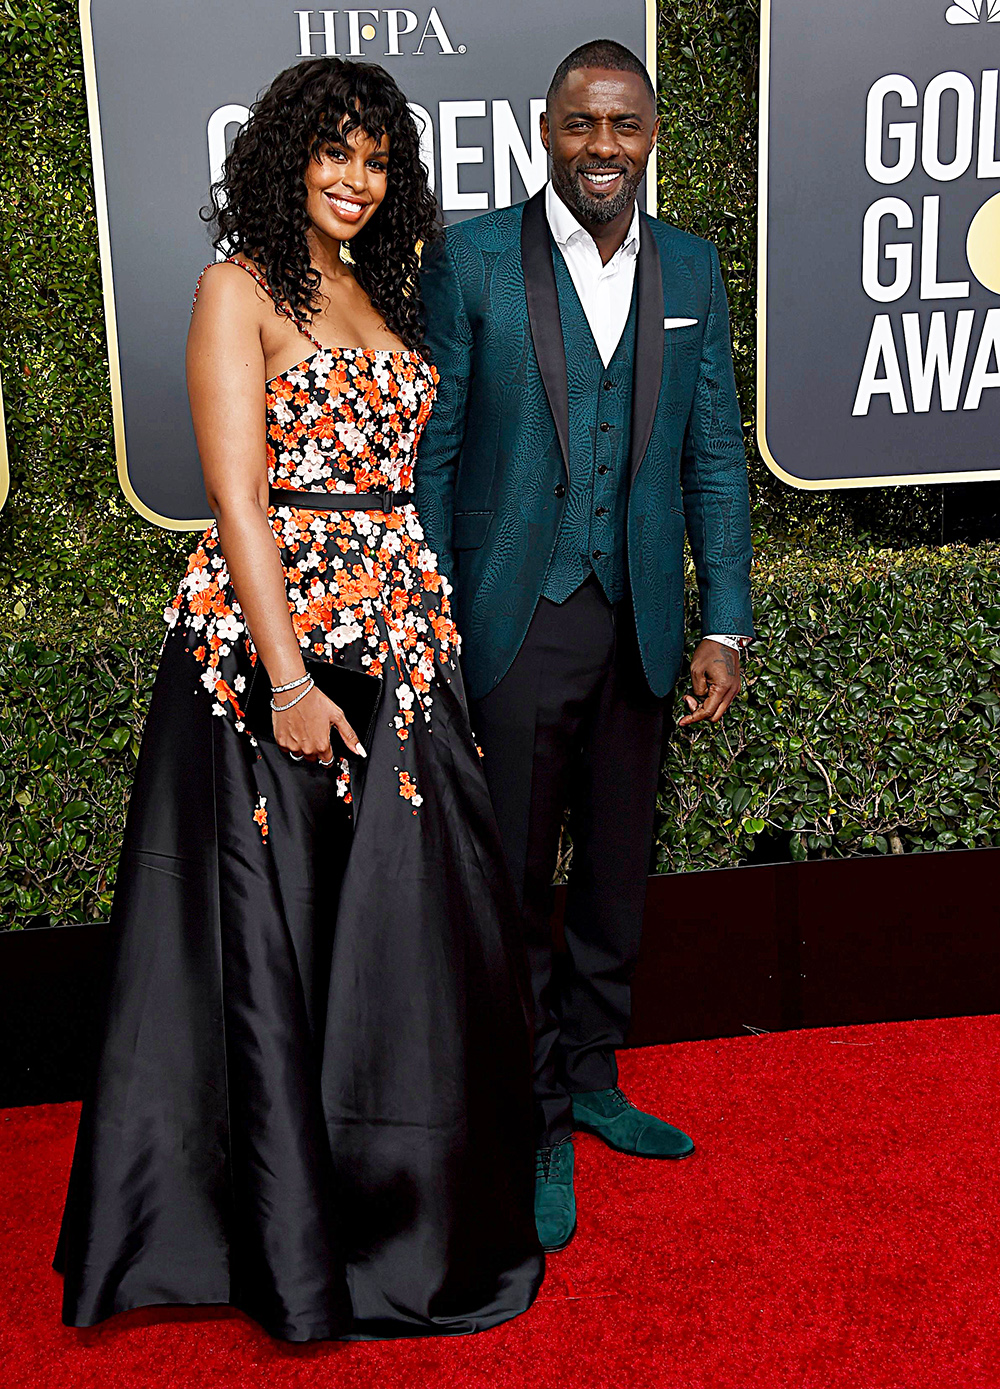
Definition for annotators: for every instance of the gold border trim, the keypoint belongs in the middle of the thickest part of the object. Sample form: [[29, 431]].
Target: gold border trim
[[803, 484], [107, 278], [4, 460], [652, 183]]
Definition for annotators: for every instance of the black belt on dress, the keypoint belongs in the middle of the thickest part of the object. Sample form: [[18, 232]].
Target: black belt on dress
[[386, 500]]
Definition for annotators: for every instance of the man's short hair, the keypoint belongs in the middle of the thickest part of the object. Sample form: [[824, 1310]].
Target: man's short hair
[[599, 53]]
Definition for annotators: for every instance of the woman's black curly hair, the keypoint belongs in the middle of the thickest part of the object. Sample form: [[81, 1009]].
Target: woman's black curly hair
[[259, 204]]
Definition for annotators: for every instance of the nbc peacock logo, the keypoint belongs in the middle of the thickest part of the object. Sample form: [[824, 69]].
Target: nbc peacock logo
[[973, 12]]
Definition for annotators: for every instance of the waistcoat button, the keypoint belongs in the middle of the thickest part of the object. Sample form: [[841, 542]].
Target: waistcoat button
[[609, 385], [604, 426], [559, 490], [601, 511], [603, 469], [598, 554]]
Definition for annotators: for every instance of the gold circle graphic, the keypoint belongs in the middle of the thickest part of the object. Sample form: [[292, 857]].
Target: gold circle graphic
[[982, 245], [368, 31]]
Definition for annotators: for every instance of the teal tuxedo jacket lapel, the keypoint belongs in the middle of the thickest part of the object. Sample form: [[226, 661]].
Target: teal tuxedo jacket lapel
[[542, 300], [648, 349]]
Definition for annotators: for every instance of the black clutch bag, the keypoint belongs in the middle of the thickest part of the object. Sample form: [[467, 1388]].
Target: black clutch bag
[[356, 692]]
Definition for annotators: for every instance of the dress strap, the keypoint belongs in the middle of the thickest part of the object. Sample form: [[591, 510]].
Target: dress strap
[[256, 275]]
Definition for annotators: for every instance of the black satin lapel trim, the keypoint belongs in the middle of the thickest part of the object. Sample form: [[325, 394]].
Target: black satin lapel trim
[[543, 314], [648, 346]]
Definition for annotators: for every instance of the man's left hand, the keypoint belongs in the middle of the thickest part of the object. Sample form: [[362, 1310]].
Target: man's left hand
[[715, 679]]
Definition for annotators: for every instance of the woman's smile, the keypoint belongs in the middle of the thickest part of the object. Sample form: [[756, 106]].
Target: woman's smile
[[348, 208]]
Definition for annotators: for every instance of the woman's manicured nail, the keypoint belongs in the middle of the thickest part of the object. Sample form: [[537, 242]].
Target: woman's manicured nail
[[360, 750]]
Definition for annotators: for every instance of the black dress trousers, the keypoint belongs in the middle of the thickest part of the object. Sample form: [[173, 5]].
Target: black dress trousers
[[573, 726]]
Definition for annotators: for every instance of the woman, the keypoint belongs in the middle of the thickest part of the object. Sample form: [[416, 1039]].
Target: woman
[[313, 1102]]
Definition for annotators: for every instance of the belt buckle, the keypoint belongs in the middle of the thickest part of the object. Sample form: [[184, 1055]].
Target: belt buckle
[[388, 500]]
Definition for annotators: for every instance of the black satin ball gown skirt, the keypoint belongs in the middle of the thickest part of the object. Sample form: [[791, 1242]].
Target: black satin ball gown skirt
[[313, 1100]]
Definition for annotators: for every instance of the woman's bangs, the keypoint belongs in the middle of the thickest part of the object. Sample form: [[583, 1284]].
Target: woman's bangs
[[340, 120]]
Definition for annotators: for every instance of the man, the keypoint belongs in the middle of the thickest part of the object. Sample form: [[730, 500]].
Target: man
[[586, 414]]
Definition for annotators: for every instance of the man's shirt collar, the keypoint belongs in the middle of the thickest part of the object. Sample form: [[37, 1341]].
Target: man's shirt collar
[[565, 227]]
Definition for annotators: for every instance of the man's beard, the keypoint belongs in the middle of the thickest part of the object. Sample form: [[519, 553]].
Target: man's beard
[[588, 209]]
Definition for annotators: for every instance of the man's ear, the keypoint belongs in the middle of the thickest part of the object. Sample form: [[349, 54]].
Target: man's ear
[[543, 125], [656, 135]]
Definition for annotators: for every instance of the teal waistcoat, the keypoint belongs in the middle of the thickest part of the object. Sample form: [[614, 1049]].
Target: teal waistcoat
[[593, 529]]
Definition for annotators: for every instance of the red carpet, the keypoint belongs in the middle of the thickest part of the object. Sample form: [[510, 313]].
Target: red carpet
[[837, 1227]]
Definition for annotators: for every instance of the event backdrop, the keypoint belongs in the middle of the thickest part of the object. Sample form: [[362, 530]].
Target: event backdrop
[[169, 85], [871, 713], [879, 248]]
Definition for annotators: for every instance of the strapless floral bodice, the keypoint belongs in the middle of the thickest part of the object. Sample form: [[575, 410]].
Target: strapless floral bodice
[[348, 420], [361, 585]]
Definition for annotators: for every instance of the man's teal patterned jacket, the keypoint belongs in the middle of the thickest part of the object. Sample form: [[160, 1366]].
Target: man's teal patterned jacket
[[495, 451]]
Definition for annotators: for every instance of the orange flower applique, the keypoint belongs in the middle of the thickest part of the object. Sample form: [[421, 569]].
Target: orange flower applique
[[344, 781], [408, 791]]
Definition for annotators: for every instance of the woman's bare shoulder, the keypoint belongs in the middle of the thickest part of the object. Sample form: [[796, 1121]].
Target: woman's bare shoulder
[[227, 292]]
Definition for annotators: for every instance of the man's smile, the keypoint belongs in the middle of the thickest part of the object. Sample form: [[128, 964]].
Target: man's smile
[[601, 181]]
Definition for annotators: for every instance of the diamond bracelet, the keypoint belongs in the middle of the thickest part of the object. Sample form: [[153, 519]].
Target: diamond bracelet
[[292, 685], [280, 708]]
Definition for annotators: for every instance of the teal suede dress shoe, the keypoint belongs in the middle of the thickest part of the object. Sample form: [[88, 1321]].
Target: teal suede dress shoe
[[609, 1115], [555, 1201]]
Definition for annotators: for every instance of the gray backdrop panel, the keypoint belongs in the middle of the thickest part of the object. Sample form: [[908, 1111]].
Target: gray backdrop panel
[[823, 60], [163, 69]]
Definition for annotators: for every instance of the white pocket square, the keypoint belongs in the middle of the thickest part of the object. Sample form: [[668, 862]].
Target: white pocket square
[[679, 322]]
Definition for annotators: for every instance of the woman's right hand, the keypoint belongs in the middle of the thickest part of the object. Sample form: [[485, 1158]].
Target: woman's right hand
[[304, 730]]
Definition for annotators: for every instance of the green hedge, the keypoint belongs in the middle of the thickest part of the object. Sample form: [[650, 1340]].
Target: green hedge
[[70, 721], [869, 725], [74, 556], [869, 722], [84, 578]]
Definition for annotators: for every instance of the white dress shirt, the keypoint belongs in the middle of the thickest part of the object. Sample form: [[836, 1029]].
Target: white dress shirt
[[605, 291]]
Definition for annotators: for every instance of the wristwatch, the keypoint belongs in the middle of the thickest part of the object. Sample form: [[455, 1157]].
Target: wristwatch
[[734, 643]]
